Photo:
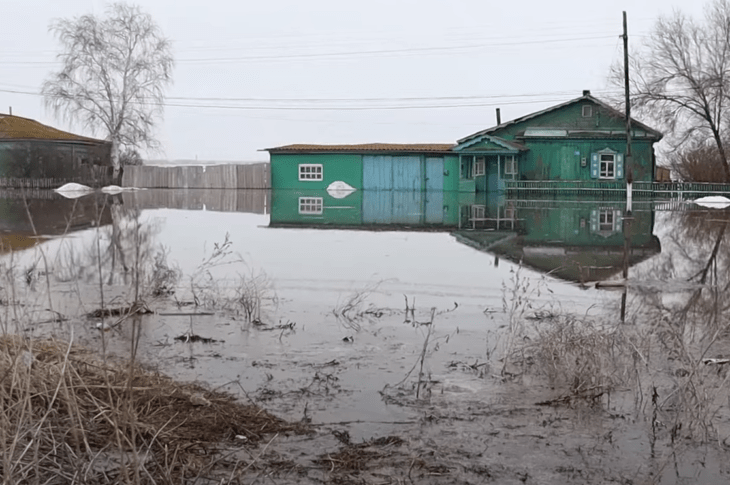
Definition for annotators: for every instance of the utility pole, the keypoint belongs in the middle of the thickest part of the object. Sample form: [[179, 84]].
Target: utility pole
[[627, 158], [628, 219]]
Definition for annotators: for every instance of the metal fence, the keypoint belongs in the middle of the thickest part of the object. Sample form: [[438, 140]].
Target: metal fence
[[250, 176], [613, 189]]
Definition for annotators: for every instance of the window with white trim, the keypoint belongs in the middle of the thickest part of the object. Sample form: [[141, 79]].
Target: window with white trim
[[587, 111], [608, 166], [605, 220], [310, 205], [478, 212], [510, 165], [480, 167], [310, 171]]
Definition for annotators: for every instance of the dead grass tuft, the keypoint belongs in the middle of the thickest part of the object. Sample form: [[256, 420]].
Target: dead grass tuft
[[67, 415]]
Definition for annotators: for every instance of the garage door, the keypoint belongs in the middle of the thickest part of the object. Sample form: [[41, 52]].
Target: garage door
[[385, 172]]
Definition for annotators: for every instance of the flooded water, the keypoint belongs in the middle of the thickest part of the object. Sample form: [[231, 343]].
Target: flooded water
[[498, 338]]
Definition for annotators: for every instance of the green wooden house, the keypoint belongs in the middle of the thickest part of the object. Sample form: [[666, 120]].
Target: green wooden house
[[583, 139], [579, 141]]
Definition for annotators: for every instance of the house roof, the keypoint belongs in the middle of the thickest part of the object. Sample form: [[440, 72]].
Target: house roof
[[367, 147], [507, 145], [18, 128], [586, 97]]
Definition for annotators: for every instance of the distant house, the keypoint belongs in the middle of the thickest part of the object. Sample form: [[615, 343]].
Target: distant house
[[580, 140], [35, 155]]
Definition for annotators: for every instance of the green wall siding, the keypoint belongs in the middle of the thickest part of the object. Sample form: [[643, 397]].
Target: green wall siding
[[347, 168], [562, 159], [343, 167]]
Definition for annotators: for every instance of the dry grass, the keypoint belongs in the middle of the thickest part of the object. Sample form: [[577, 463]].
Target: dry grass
[[68, 417]]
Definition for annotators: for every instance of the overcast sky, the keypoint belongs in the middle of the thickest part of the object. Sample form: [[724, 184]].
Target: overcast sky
[[340, 71]]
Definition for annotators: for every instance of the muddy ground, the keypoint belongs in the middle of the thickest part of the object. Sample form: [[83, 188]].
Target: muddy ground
[[401, 371]]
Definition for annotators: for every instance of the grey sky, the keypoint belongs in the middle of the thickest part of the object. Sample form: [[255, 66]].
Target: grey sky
[[350, 56]]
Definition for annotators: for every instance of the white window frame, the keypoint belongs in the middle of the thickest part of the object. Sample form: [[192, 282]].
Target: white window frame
[[510, 165], [311, 205], [604, 173], [478, 212], [606, 220], [587, 111], [480, 167], [311, 172]]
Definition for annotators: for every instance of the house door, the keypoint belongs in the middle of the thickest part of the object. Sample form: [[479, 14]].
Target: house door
[[434, 173]]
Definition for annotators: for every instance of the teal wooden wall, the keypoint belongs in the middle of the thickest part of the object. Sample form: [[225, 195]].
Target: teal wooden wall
[[349, 168], [561, 159], [344, 167]]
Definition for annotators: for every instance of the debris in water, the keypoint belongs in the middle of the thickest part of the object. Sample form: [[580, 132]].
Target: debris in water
[[348, 339], [73, 190], [713, 202], [191, 337]]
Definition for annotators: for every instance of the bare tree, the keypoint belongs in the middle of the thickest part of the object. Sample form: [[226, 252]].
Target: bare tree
[[681, 78], [115, 71]]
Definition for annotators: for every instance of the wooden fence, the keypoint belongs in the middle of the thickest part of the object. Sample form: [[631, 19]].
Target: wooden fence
[[250, 176], [218, 200]]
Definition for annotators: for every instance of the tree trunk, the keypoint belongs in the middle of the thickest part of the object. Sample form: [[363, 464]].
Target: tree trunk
[[115, 158], [723, 157]]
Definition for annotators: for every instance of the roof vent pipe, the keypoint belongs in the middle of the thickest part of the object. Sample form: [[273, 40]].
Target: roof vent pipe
[[11, 110], [586, 92], [499, 117]]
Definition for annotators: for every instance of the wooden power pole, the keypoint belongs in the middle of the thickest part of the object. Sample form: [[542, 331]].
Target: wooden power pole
[[627, 158]]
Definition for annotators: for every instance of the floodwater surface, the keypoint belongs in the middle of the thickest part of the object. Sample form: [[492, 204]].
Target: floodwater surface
[[486, 340]]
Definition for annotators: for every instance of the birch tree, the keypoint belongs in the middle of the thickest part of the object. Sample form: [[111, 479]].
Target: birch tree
[[113, 77], [681, 79]]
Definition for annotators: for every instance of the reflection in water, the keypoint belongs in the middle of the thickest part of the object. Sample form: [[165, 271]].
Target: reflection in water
[[24, 221], [576, 241]]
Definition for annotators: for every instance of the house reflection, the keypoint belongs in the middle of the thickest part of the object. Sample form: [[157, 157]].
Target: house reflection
[[28, 218], [579, 241], [576, 241]]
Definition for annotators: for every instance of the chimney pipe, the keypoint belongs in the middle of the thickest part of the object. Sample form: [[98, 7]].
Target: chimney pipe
[[11, 111], [499, 118], [586, 92]]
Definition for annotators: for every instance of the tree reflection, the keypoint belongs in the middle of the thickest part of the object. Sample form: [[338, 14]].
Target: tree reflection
[[687, 314]]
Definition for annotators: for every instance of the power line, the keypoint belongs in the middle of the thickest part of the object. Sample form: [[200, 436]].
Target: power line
[[502, 100]]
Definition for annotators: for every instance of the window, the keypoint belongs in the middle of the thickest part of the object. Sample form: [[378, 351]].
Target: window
[[310, 205], [478, 212], [310, 171], [466, 167], [509, 212], [510, 165], [608, 166], [479, 167], [587, 111]]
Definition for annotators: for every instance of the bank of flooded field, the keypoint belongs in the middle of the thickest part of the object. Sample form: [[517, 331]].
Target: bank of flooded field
[[392, 352]]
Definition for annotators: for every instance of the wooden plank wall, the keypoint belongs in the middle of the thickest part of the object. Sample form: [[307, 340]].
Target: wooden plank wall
[[250, 176], [218, 200]]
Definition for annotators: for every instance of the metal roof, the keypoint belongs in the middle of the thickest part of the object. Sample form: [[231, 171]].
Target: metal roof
[[586, 97], [367, 147], [17, 128]]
